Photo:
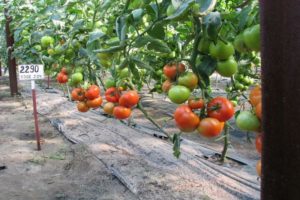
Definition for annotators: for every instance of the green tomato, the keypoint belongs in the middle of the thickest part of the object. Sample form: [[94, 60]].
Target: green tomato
[[220, 50], [239, 86], [257, 61], [227, 68], [247, 121], [38, 47], [251, 37], [76, 44], [51, 52], [70, 52], [228, 89], [157, 86], [246, 80], [239, 44], [179, 94], [234, 103], [58, 49], [239, 77], [159, 73], [105, 56], [203, 46], [189, 80], [98, 24], [76, 77], [110, 83], [124, 73], [79, 69], [47, 41]]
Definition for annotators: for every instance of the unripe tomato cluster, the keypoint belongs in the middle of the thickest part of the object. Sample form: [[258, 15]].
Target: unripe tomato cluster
[[180, 83], [216, 112], [89, 98], [120, 103]]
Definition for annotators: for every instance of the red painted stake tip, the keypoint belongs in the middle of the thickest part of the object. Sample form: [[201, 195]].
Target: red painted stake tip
[[37, 132]]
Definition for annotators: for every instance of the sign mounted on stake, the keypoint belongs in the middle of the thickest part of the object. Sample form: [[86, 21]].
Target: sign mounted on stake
[[33, 72]]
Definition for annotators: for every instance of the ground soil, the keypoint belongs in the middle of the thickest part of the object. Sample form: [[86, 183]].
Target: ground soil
[[62, 170]]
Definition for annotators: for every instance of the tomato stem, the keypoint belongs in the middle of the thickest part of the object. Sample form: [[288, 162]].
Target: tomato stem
[[142, 109], [226, 142]]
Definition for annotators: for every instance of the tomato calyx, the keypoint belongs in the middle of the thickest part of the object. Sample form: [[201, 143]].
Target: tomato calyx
[[215, 107]]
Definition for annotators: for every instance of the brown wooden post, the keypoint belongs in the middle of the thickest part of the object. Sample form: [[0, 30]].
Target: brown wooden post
[[0, 69], [12, 66], [280, 27]]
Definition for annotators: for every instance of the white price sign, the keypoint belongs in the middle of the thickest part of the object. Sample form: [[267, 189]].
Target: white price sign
[[31, 72]]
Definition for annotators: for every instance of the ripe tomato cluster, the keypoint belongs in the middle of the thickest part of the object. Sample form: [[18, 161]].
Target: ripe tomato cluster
[[87, 99], [62, 76], [120, 103], [216, 112]]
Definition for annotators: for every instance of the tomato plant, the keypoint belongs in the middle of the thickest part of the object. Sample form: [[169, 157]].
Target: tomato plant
[[166, 46]]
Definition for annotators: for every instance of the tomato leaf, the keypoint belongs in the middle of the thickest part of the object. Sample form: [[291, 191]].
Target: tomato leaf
[[212, 23], [78, 25], [206, 68], [121, 27], [134, 71], [206, 6], [181, 10], [96, 35], [159, 45], [142, 41], [137, 14], [157, 31], [141, 64]]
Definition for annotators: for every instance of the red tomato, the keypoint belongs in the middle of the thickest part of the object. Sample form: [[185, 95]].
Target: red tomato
[[129, 99], [172, 70], [92, 92], [95, 103], [195, 103], [166, 86], [64, 71], [258, 110], [78, 94], [62, 78], [185, 119], [121, 112], [255, 96], [112, 95], [210, 127], [258, 143], [220, 108], [82, 106]]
